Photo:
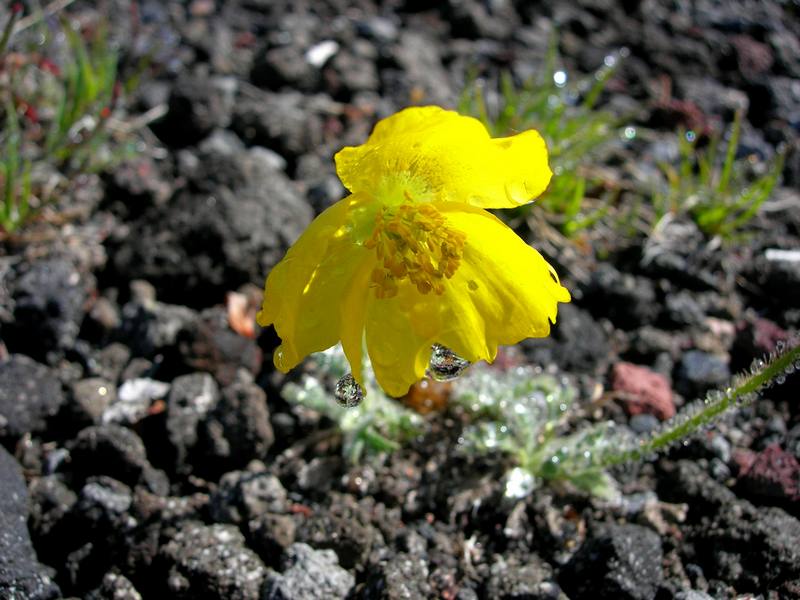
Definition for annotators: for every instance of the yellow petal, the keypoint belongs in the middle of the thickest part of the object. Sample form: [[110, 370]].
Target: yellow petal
[[399, 334], [353, 315], [503, 291], [304, 292], [431, 154]]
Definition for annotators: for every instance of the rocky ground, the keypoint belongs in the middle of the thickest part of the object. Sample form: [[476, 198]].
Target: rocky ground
[[146, 451]]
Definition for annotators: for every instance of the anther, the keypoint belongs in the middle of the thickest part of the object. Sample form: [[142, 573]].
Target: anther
[[413, 240]]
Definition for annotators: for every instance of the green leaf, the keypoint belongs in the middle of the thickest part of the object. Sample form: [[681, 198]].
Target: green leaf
[[597, 483]]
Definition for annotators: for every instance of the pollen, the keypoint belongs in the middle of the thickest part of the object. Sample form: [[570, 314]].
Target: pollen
[[414, 242]]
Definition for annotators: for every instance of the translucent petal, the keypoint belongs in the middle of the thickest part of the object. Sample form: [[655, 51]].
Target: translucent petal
[[353, 311], [502, 293], [431, 154], [399, 334], [304, 292]]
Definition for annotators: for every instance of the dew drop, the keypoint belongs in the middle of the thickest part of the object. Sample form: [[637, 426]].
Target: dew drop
[[279, 357], [445, 364], [348, 393], [629, 132], [610, 60], [690, 136], [519, 483], [746, 399], [560, 78]]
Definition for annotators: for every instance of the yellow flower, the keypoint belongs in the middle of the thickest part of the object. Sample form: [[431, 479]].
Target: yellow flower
[[411, 258]]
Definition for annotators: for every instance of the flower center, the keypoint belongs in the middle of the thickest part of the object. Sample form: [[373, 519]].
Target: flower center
[[413, 241]]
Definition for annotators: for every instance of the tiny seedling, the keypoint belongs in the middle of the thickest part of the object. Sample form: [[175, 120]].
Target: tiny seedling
[[85, 98], [15, 172], [524, 414], [370, 424], [58, 115], [711, 187], [574, 128]]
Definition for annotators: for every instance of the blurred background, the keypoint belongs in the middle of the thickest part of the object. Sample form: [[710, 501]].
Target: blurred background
[[157, 159]]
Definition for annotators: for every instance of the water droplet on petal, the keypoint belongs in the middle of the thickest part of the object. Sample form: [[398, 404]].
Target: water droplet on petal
[[279, 357], [445, 364], [348, 393]]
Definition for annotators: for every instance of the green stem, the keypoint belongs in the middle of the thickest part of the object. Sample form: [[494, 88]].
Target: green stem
[[715, 404], [8, 30]]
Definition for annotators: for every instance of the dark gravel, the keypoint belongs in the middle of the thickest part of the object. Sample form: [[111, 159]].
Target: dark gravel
[[21, 574], [30, 395], [145, 449]]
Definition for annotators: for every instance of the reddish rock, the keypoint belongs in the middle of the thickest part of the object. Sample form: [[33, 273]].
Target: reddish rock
[[743, 459], [767, 334], [774, 473], [754, 58], [642, 390], [755, 337]]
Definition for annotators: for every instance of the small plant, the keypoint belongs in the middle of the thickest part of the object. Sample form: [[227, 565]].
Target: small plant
[[567, 116], [369, 421], [59, 120], [522, 413], [711, 187], [85, 99], [15, 172]]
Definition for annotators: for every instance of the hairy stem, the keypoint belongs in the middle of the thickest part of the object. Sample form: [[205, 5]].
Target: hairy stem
[[715, 404]]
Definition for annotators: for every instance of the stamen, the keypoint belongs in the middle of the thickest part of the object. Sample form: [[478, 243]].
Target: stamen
[[413, 241]]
